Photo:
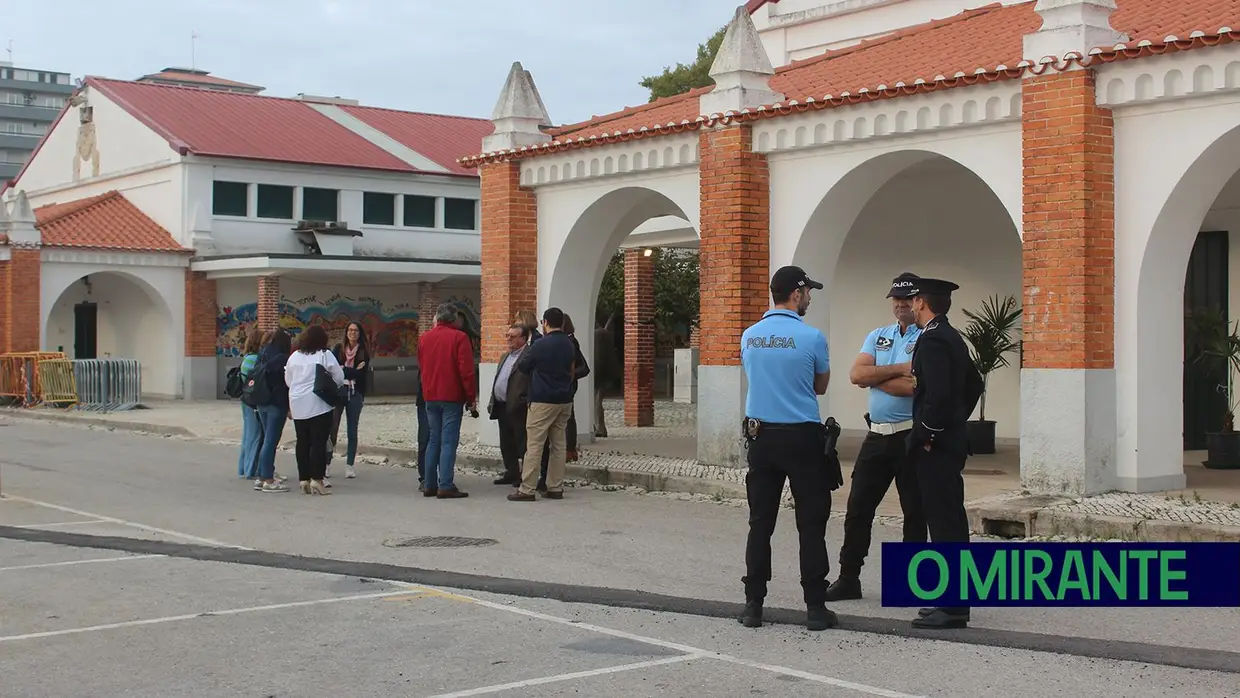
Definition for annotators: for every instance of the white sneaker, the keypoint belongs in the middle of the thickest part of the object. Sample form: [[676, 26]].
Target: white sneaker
[[276, 486], [349, 472], [258, 483]]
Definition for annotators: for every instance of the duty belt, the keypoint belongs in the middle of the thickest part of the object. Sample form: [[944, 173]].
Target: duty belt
[[890, 428]]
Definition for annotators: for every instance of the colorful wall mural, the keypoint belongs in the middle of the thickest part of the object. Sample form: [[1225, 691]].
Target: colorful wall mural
[[391, 330]]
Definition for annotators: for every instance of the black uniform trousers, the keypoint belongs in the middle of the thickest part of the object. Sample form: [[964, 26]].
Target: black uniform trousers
[[940, 475], [794, 453], [883, 459]]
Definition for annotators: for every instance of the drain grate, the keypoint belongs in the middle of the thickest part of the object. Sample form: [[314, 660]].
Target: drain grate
[[439, 542]]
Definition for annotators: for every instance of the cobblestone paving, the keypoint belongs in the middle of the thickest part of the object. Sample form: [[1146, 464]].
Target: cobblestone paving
[[1157, 507]]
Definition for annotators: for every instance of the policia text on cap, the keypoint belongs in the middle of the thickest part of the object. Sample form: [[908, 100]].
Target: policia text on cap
[[787, 364]]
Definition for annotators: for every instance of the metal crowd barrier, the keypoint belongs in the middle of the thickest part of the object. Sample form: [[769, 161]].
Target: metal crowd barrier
[[57, 384], [107, 385], [19, 377]]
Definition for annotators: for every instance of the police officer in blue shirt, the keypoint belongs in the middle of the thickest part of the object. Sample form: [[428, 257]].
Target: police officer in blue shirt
[[885, 367], [788, 366]]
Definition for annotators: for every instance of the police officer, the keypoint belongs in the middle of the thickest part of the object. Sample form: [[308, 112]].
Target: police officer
[[788, 366], [946, 388], [883, 366]]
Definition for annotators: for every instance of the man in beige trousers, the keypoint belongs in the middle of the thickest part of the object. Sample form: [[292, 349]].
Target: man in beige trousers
[[550, 362]]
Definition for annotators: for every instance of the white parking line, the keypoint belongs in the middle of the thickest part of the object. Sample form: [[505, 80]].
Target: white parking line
[[63, 523], [78, 562], [191, 616], [695, 652], [123, 522], [569, 677]]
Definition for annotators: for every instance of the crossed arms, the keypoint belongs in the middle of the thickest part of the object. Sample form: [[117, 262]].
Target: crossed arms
[[896, 379]]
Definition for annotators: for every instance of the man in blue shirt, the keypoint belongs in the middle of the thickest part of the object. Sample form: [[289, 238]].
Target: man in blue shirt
[[788, 366], [885, 367]]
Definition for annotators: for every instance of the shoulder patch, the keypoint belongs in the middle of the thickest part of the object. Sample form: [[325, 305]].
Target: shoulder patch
[[883, 343], [931, 326]]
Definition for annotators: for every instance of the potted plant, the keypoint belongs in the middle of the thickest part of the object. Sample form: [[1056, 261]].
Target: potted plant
[[1214, 345], [990, 333]]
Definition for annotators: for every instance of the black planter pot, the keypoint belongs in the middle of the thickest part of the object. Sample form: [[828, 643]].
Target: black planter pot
[[981, 437], [1223, 451]]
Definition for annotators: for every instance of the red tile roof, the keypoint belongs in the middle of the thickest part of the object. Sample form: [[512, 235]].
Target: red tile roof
[[108, 221], [989, 38], [254, 127], [754, 5], [443, 139]]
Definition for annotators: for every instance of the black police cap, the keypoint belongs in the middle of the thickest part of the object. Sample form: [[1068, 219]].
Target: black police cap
[[789, 279], [933, 287], [902, 285]]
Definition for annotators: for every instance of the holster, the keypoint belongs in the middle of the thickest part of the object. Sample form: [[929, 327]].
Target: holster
[[830, 454]]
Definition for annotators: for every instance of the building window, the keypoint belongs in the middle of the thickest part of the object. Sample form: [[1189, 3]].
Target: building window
[[419, 211], [319, 204], [275, 201], [230, 198], [458, 214], [378, 209]]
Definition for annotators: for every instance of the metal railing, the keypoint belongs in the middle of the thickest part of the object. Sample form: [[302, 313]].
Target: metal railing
[[19, 377], [108, 385]]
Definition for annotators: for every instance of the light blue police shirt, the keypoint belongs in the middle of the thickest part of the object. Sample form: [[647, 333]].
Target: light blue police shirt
[[889, 347], [781, 354]]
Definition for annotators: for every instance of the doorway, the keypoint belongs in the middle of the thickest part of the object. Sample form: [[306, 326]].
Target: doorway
[[1205, 288], [85, 331]]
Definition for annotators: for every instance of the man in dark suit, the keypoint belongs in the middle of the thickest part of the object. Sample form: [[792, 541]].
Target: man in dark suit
[[509, 404]]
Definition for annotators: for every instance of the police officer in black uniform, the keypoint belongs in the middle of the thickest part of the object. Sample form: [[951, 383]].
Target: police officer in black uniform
[[946, 388], [788, 366]]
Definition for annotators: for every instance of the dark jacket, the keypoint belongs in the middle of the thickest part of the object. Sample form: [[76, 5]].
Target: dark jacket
[[360, 377], [948, 387], [274, 362], [549, 362], [581, 368], [517, 396], [446, 363]]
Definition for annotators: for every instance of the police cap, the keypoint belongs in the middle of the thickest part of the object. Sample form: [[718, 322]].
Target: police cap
[[902, 286], [933, 287], [789, 279]]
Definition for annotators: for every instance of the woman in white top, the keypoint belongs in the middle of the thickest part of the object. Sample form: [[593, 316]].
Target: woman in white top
[[312, 417]]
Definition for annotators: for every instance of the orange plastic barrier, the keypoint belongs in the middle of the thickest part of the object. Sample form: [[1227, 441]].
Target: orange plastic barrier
[[19, 377]]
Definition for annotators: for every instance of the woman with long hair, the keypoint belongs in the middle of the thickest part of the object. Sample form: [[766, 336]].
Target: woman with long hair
[[271, 416], [312, 416], [354, 359], [529, 321], [251, 432]]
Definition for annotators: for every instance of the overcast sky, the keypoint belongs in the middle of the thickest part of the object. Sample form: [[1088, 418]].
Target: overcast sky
[[445, 56]]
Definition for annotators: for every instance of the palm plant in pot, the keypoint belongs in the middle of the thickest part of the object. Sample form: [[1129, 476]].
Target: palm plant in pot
[[990, 334], [1214, 345]]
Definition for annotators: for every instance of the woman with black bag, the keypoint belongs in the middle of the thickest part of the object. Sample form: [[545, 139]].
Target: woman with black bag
[[354, 359], [314, 379]]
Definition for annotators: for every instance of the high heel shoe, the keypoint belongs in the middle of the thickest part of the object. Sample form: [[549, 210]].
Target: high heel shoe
[[305, 487], [316, 486]]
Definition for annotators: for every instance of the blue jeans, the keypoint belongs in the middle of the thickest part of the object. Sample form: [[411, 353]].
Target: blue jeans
[[352, 413], [445, 434], [271, 418], [251, 438], [424, 439]]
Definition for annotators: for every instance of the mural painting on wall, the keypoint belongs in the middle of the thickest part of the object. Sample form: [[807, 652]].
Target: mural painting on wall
[[391, 331], [470, 319]]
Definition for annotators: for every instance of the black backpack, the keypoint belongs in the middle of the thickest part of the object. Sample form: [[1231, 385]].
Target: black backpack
[[256, 392], [236, 382]]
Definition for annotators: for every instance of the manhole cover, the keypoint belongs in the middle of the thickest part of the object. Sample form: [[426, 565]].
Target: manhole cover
[[439, 542]]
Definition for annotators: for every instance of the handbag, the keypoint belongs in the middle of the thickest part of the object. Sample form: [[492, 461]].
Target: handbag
[[327, 390]]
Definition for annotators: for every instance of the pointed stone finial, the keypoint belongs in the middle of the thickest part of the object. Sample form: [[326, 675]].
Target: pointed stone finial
[[201, 239], [4, 215], [518, 114], [22, 229], [1072, 26], [742, 71]]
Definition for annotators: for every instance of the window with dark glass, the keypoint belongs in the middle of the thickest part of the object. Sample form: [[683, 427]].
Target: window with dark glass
[[275, 201], [419, 211], [229, 198], [378, 209], [320, 204], [459, 214]]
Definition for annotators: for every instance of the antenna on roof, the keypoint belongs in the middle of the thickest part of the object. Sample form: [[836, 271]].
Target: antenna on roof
[[9, 48], [193, 46]]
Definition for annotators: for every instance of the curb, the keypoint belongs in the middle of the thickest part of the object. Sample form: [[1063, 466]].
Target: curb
[[594, 474], [1030, 516]]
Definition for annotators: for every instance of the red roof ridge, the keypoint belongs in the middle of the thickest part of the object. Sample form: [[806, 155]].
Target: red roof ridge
[[398, 111], [629, 111]]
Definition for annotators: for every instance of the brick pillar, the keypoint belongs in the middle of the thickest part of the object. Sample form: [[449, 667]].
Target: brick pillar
[[509, 253], [428, 303], [639, 339], [201, 381], [5, 321], [1069, 286], [268, 303], [22, 316], [735, 262]]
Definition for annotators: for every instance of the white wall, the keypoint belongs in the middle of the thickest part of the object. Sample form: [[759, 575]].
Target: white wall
[[935, 220], [251, 235], [132, 322]]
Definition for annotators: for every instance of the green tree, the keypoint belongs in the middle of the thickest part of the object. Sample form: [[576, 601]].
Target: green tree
[[676, 291], [682, 78]]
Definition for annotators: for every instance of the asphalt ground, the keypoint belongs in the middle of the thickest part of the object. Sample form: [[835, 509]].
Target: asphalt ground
[[183, 607]]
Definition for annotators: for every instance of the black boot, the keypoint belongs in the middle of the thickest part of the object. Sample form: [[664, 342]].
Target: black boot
[[751, 617], [820, 618], [844, 589], [943, 619]]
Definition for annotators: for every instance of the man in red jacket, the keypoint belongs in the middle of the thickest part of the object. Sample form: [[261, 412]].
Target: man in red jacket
[[449, 384]]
